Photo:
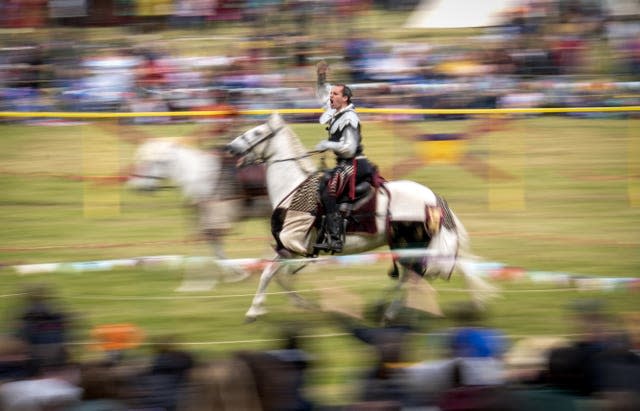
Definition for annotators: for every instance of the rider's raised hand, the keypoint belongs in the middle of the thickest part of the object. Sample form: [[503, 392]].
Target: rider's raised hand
[[322, 68]]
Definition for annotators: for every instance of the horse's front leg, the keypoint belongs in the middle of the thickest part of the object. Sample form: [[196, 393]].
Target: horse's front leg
[[204, 275], [297, 299], [257, 305], [228, 273]]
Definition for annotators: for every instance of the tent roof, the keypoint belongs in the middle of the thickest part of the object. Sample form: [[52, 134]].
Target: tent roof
[[459, 13]]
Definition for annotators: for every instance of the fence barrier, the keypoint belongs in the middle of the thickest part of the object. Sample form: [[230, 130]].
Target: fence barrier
[[426, 111]]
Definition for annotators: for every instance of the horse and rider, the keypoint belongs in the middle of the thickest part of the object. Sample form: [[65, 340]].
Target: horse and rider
[[360, 210], [352, 166]]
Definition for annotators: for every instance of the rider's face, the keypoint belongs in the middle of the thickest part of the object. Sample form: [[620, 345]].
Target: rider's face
[[337, 99]]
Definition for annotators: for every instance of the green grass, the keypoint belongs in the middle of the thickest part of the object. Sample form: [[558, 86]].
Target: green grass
[[577, 218]]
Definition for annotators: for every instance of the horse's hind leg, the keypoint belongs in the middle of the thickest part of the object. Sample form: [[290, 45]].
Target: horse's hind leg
[[397, 294], [414, 291], [257, 305]]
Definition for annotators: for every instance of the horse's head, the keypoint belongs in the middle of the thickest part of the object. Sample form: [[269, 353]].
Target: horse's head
[[252, 146], [152, 165]]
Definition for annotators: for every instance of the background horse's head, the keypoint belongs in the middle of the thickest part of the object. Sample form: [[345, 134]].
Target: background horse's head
[[152, 165]]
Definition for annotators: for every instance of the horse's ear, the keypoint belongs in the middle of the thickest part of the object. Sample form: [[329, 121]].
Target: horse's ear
[[276, 119]]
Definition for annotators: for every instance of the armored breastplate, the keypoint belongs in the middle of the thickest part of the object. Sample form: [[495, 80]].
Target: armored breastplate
[[340, 122]]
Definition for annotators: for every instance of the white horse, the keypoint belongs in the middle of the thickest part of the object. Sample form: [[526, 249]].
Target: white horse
[[209, 186], [401, 214]]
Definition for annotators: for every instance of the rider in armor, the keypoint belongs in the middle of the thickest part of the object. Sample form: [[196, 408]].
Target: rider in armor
[[345, 140]]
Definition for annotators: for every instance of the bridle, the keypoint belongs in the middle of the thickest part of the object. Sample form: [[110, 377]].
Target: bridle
[[267, 138], [251, 146]]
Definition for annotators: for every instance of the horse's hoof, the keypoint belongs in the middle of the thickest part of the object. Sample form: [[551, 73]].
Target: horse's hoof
[[306, 305], [253, 314]]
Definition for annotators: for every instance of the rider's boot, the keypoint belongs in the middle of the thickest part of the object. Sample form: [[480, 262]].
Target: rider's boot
[[334, 226]]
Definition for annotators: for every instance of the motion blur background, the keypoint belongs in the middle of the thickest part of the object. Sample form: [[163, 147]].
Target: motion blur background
[[165, 55], [551, 201]]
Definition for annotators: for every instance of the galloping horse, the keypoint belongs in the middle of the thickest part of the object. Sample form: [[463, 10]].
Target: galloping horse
[[220, 194], [399, 214]]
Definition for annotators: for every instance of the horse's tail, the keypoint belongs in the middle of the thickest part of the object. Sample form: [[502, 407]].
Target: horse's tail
[[452, 222], [481, 291], [464, 243]]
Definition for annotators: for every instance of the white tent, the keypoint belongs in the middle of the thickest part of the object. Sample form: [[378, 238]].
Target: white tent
[[622, 7], [459, 13]]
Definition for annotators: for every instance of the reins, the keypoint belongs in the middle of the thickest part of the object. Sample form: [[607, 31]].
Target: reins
[[306, 155], [150, 177], [268, 137]]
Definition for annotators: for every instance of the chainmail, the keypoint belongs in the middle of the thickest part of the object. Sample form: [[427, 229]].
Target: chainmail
[[306, 197]]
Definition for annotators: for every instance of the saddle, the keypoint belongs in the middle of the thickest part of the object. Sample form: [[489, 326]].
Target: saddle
[[304, 211], [356, 208]]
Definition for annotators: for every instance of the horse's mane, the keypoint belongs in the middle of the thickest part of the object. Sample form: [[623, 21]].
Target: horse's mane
[[299, 150]]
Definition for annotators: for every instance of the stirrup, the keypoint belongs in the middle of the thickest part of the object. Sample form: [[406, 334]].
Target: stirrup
[[330, 245], [322, 246], [336, 246]]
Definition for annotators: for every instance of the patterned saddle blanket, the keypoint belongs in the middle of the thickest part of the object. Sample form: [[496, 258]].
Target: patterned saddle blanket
[[360, 214]]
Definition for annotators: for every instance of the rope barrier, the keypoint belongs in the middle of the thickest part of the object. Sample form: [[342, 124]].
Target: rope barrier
[[252, 263], [492, 270], [524, 110], [326, 335]]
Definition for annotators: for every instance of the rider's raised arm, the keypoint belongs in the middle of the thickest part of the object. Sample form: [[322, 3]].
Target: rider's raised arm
[[323, 90]]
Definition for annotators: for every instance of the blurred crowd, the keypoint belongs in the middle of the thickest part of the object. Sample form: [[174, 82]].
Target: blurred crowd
[[472, 366], [546, 53]]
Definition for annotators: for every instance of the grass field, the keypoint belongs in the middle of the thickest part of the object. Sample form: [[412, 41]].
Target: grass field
[[543, 193]]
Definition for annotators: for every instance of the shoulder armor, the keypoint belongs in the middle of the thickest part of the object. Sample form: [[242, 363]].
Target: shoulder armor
[[349, 118]]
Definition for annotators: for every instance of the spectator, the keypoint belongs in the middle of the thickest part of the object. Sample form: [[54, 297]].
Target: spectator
[[44, 328], [477, 352], [221, 385], [164, 384], [598, 359], [15, 362], [101, 389], [598, 365], [280, 375], [382, 385]]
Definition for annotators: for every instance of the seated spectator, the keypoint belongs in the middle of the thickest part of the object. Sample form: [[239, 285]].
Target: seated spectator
[[15, 362], [164, 384], [601, 359], [102, 388], [54, 388], [382, 387], [478, 348], [44, 328], [221, 385], [280, 374], [470, 373], [599, 365]]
